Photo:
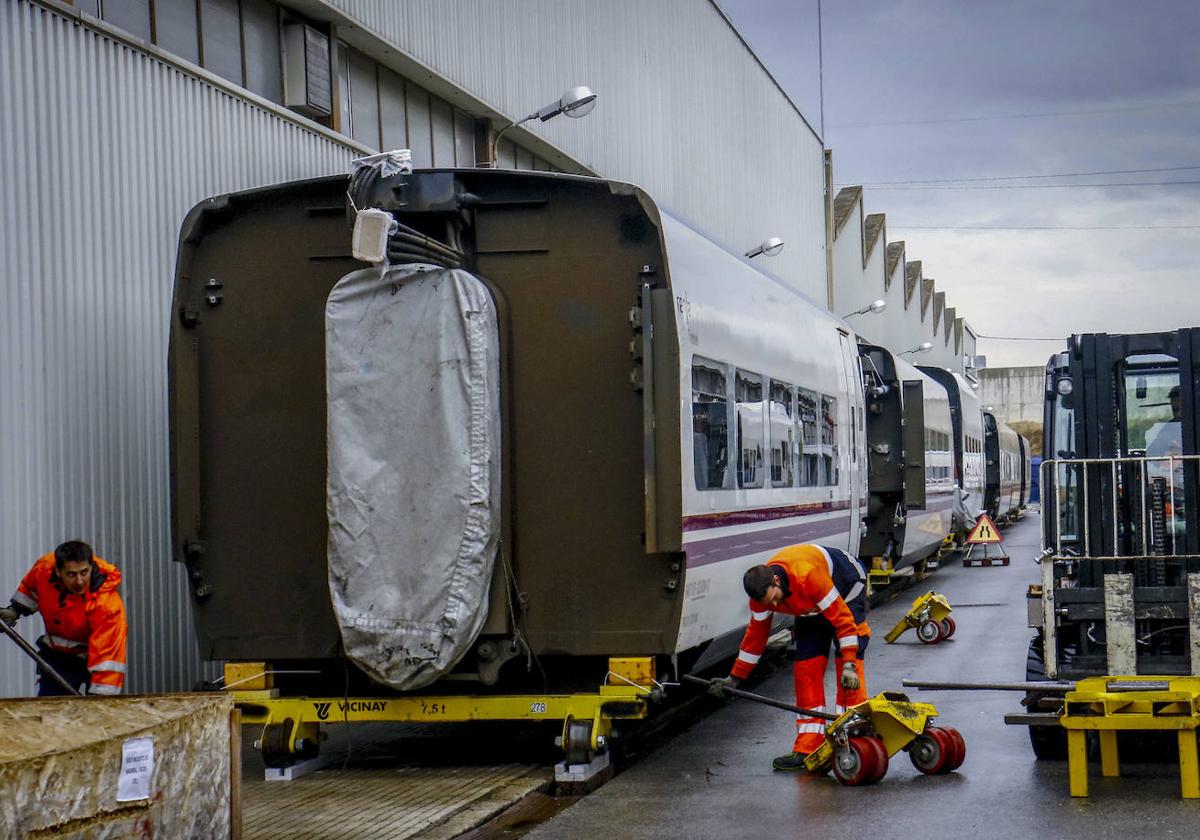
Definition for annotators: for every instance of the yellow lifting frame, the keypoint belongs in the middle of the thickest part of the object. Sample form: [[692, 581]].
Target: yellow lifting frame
[[891, 716], [928, 607], [1099, 704], [623, 700]]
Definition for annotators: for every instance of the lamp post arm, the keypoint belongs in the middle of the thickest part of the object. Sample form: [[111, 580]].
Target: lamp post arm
[[496, 139]]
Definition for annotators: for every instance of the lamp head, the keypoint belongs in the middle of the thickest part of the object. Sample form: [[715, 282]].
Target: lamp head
[[576, 102], [770, 246], [878, 306]]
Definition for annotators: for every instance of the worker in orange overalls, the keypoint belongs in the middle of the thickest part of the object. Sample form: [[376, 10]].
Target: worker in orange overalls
[[825, 588], [76, 593]]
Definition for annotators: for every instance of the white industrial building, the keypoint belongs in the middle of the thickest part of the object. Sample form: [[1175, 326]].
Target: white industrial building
[[120, 115]]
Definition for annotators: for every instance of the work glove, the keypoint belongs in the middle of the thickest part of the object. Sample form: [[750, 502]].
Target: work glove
[[718, 685], [849, 679], [9, 616]]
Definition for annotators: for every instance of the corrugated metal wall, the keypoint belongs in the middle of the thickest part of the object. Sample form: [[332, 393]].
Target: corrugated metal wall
[[105, 149], [685, 110]]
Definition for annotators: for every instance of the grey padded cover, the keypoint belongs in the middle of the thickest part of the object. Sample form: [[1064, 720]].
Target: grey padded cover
[[412, 358]]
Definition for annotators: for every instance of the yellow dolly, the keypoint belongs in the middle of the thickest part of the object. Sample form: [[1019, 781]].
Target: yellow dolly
[[1112, 704], [859, 742], [930, 615]]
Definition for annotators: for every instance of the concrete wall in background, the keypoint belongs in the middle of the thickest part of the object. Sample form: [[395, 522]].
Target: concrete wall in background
[[1014, 393]]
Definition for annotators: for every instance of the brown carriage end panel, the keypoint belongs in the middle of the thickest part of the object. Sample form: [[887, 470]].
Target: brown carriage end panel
[[570, 270], [260, 419]]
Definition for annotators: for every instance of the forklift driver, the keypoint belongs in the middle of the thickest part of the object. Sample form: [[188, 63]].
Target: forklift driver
[[825, 589], [1166, 438]]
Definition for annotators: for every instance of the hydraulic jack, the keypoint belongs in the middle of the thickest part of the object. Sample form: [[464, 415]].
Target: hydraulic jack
[[860, 741], [930, 615]]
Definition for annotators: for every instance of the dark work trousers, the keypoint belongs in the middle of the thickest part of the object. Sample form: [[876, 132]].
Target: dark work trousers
[[72, 668]]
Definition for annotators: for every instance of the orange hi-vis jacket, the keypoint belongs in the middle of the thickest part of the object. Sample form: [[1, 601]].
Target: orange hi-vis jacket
[[811, 575], [91, 626]]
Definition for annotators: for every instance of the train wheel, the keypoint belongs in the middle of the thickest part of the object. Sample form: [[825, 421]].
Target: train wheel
[[959, 752], [881, 755], [929, 632], [928, 751], [858, 763], [948, 627]]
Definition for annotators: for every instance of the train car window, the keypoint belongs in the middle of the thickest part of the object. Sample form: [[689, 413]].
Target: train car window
[[783, 434], [710, 425], [829, 441], [810, 459], [748, 391]]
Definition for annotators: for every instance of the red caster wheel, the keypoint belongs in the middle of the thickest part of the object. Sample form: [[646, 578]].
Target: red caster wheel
[[858, 763], [881, 756], [948, 627], [959, 752], [929, 632], [930, 751]]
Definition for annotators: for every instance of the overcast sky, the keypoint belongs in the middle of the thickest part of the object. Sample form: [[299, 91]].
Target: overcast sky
[[954, 89]]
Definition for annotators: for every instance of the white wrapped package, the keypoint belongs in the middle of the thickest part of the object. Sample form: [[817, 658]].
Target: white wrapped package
[[413, 381]]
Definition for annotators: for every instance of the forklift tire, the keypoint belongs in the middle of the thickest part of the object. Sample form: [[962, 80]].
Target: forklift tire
[[1049, 743]]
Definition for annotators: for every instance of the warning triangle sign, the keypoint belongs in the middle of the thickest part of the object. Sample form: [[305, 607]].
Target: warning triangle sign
[[985, 531]]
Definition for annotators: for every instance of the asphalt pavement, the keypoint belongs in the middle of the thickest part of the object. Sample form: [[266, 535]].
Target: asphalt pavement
[[715, 779]]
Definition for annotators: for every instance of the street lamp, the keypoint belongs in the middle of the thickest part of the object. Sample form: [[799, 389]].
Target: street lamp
[[770, 246], [925, 347], [877, 306], [575, 103]]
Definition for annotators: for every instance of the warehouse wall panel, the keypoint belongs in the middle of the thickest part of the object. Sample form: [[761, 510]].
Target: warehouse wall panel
[[107, 145]]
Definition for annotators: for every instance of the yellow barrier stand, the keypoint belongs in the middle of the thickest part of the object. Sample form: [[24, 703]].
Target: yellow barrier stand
[[1108, 705]]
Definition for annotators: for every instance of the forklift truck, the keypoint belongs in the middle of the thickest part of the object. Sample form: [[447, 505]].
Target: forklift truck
[[1120, 560]]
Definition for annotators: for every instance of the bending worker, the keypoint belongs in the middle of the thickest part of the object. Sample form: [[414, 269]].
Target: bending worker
[[76, 593], [825, 589]]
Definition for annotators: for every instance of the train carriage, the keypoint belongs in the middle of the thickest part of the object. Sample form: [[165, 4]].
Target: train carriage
[[551, 434], [967, 442]]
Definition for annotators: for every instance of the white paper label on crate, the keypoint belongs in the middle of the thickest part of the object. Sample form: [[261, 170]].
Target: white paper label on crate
[[137, 769]]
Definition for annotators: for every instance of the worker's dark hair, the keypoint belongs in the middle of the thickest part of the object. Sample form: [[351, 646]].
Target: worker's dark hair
[[757, 580], [1174, 392], [72, 551]]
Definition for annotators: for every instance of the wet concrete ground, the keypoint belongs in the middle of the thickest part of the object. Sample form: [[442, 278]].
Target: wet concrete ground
[[715, 780]]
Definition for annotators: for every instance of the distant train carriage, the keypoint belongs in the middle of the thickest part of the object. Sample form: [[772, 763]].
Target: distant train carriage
[[1003, 465], [557, 429]]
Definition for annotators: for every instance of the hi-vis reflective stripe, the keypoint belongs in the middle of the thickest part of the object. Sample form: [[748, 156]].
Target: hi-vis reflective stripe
[[848, 641], [854, 590], [25, 601], [101, 688], [805, 728], [109, 665], [830, 597], [69, 645], [748, 658], [828, 559], [760, 616]]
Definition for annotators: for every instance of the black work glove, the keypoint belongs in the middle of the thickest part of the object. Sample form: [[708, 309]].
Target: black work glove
[[718, 685]]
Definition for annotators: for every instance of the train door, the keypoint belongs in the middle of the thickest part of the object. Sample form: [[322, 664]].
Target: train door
[[856, 475]]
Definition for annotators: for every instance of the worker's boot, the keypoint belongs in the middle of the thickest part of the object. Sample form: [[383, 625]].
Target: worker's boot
[[794, 762]]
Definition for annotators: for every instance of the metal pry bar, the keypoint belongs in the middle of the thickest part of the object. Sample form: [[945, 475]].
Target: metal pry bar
[[768, 701], [32, 653], [1032, 685]]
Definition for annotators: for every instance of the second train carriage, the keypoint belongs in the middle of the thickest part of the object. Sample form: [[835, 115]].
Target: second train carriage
[[967, 441], [912, 485]]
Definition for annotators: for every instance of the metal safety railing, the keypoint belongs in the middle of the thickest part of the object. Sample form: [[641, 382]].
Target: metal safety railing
[[1144, 495]]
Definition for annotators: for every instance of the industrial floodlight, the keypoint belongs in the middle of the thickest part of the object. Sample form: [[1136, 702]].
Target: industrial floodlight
[[876, 306], [575, 103], [925, 347], [770, 246]]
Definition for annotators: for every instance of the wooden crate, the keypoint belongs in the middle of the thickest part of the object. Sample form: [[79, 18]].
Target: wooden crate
[[61, 760]]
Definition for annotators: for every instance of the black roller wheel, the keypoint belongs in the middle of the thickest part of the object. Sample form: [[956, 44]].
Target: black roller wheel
[[275, 744], [577, 741]]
